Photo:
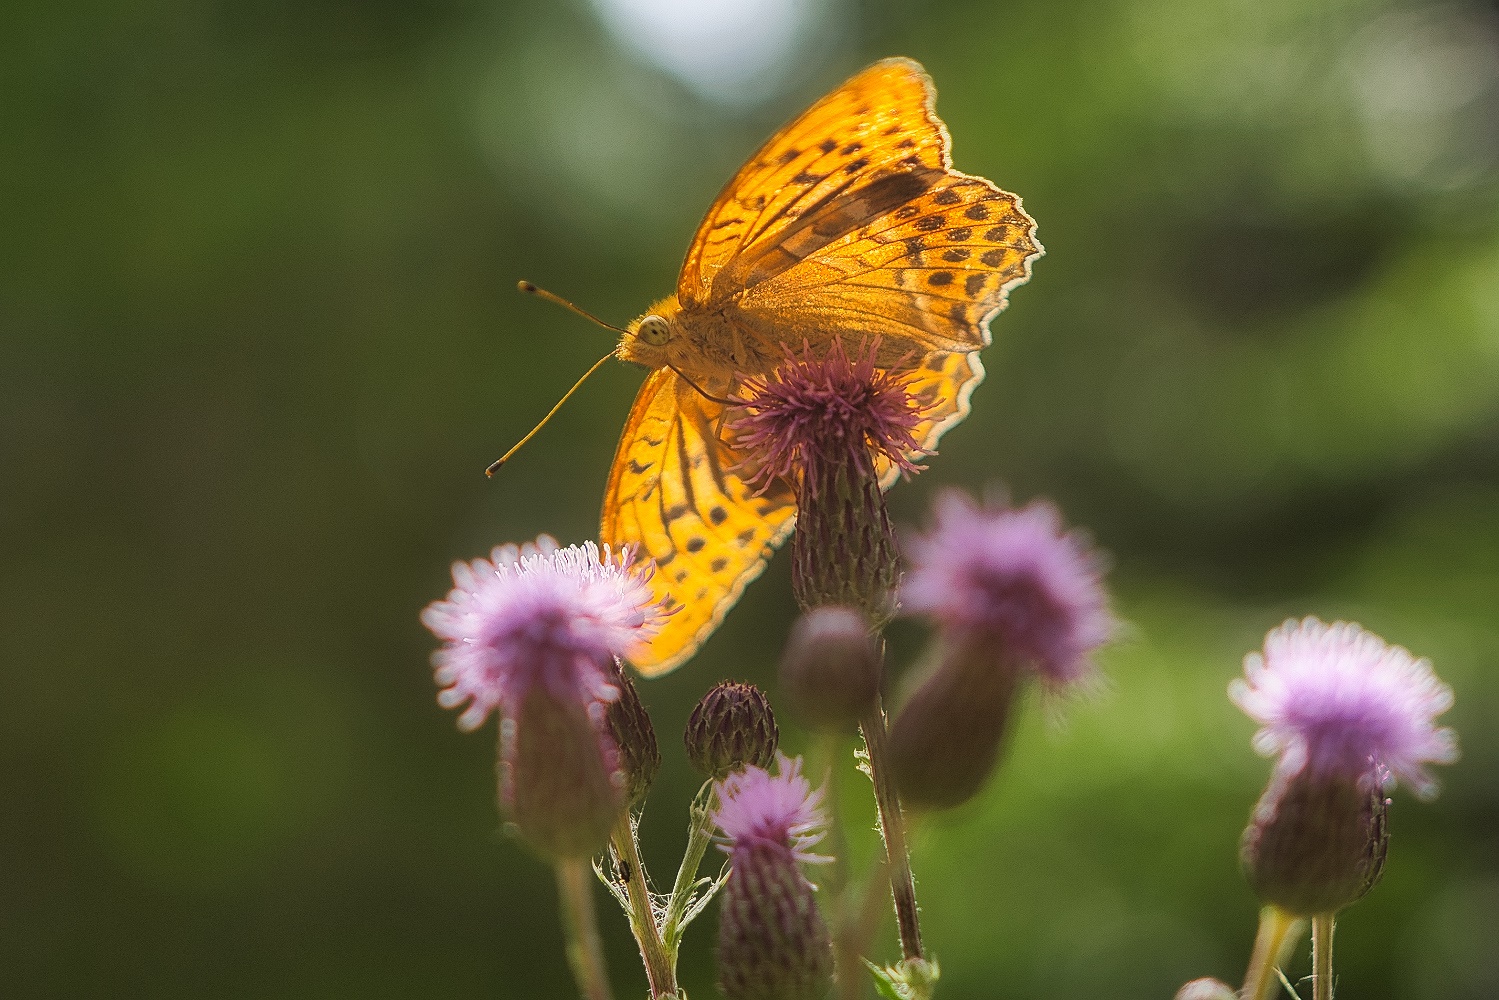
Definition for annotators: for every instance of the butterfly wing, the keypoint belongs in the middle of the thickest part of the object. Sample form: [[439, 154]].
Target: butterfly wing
[[941, 385], [877, 125], [673, 496], [851, 222]]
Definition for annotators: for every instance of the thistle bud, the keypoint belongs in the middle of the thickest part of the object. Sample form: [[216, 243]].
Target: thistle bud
[[630, 725], [1207, 989], [1315, 845], [945, 740], [559, 771], [831, 669], [732, 727]]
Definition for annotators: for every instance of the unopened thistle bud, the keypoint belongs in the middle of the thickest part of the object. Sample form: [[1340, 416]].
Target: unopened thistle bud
[[773, 943], [831, 669], [730, 728], [630, 725], [1013, 596], [830, 426], [1348, 715]]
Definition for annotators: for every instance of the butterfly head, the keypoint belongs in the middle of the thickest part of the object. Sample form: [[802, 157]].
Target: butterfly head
[[654, 339]]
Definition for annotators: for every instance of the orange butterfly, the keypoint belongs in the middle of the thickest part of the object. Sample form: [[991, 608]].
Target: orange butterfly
[[850, 222]]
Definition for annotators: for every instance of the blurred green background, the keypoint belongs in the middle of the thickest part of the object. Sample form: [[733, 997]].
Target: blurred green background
[[259, 337]]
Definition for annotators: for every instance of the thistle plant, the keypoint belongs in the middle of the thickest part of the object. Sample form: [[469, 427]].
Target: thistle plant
[[1013, 600]]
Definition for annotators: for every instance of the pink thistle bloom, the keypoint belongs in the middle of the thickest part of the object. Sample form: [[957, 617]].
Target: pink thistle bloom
[[812, 412], [1013, 578], [534, 615], [756, 807], [1337, 700]]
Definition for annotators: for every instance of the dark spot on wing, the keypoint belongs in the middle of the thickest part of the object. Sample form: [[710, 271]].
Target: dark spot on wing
[[978, 212], [828, 145], [915, 245], [960, 234], [696, 543], [806, 178], [958, 312], [906, 211], [993, 258], [929, 223], [906, 144], [718, 565], [675, 512], [938, 278], [947, 196], [718, 515], [974, 284], [639, 468], [857, 165], [851, 149], [998, 234], [956, 255], [746, 536], [788, 156]]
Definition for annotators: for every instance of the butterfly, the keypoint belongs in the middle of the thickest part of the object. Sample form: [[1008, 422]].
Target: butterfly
[[849, 223]]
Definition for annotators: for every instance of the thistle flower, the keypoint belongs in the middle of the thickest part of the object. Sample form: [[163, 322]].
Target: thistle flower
[[534, 632], [1348, 715], [1012, 595], [772, 942], [826, 425], [731, 727], [1338, 700], [1012, 581], [537, 614]]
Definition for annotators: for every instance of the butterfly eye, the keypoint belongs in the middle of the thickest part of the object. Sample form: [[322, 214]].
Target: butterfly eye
[[654, 330]]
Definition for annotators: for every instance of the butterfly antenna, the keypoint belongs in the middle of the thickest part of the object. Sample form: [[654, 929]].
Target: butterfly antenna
[[542, 293], [495, 466]]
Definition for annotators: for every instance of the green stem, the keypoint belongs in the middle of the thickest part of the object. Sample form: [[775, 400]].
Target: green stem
[[1277, 935], [585, 952], [660, 967], [893, 828], [1322, 926], [699, 835]]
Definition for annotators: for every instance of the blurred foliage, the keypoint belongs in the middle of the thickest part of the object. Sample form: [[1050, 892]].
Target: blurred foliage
[[258, 338]]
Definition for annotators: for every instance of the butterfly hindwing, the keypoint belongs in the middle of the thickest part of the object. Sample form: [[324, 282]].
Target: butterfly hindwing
[[673, 496]]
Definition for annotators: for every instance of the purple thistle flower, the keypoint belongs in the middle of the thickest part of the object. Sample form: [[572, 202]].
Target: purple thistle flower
[[537, 615], [1012, 579], [1339, 702], [757, 807], [814, 411], [772, 942]]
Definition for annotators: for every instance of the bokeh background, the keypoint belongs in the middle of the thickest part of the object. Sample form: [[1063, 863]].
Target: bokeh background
[[259, 337]]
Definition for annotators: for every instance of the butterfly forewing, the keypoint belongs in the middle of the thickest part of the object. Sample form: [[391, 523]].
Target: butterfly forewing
[[675, 497], [876, 125]]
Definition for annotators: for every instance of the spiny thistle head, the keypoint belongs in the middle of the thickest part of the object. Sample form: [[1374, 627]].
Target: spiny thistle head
[[537, 614], [836, 409], [830, 669], [829, 426], [730, 728], [1012, 581], [773, 943], [1348, 715], [535, 632], [1338, 700]]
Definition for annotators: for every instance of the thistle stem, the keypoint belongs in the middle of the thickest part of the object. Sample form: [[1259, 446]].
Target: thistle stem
[[1322, 927], [699, 835], [893, 829], [1277, 935], [660, 966], [585, 952]]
